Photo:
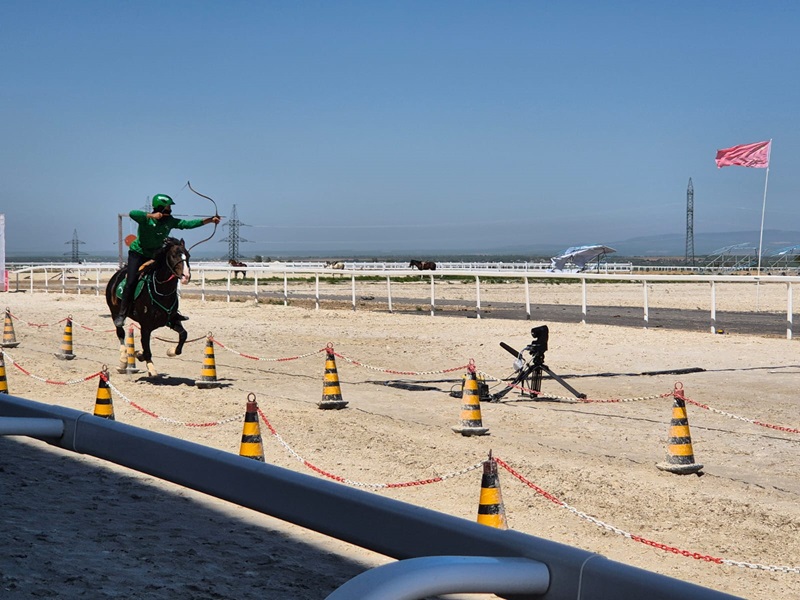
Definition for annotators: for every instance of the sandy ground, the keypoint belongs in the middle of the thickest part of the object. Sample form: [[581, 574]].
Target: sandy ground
[[73, 526]]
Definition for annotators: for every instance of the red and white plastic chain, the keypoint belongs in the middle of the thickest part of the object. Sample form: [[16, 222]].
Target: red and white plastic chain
[[393, 372], [150, 413], [638, 538], [576, 400], [679, 393], [251, 357], [377, 486], [44, 379], [28, 323]]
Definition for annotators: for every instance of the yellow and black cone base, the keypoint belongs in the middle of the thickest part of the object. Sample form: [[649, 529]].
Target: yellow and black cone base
[[331, 391], [3, 382], [471, 421], [66, 342], [103, 407], [252, 446], [680, 454], [491, 511], [208, 376], [9, 337]]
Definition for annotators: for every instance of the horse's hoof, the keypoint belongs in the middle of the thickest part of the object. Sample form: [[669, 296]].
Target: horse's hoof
[[171, 353], [151, 370]]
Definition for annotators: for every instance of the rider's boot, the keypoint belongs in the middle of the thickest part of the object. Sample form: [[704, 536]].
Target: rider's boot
[[119, 321]]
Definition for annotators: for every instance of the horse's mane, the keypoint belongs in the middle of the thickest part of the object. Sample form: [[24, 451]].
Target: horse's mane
[[161, 255]]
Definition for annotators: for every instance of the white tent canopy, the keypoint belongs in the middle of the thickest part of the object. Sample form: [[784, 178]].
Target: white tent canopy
[[579, 257]]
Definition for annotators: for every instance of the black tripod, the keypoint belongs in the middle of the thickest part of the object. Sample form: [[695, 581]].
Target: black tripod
[[529, 373]]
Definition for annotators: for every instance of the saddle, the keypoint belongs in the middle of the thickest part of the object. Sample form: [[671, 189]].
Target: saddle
[[144, 271]]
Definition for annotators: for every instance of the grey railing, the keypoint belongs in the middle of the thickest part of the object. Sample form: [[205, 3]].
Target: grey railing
[[389, 527]]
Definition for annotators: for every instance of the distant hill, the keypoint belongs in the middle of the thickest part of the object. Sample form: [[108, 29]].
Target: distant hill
[[651, 246], [704, 243], [668, 244]]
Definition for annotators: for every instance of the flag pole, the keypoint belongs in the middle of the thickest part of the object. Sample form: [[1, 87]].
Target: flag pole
[[763, 210]]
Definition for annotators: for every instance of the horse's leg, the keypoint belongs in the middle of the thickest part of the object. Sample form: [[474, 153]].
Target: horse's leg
[[146, 355], [182, 335], [123, 351]]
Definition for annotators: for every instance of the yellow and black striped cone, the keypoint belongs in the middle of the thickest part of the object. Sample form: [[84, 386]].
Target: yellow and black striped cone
[[680, 455], [130, 354], [491, 511], [471, 422], [9, 337], [66, 342], [3, 382], [208, 376], [331, 391], [103, 407], [252, 446]]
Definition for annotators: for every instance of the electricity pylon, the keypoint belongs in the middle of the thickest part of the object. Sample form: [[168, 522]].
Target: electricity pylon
[[233, 238]]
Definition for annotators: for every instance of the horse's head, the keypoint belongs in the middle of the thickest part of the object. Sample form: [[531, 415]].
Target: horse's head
[[176, 258]]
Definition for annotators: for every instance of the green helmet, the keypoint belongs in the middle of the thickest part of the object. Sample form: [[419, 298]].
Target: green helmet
[[162, 200]]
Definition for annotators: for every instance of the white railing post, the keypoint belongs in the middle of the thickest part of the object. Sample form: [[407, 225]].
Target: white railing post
[[433, 301], [478, 296], [713, 307], [583, 300], [789, 310], [389, 291], [527, 296]]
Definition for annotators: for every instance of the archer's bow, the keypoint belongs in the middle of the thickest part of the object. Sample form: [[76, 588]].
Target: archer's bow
[[216, 214]]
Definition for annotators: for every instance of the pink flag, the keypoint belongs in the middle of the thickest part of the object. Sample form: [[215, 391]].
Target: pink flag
[[747, 155]]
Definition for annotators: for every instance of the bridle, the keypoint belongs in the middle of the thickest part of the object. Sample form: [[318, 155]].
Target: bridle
[[173, 265]]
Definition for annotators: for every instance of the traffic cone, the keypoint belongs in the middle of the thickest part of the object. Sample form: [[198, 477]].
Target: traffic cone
[[3, 382], [130, 354], [251, 447], [491, 511], [208, 377], [66, 342], [103, 407], [471, 423], [680, 455], [331, 392], [9, 338]]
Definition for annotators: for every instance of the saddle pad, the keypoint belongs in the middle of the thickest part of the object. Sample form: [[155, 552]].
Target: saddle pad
[[121, 287]]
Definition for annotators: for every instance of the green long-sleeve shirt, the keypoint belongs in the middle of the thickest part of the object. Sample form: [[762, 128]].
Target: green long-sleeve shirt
[[152, 233]]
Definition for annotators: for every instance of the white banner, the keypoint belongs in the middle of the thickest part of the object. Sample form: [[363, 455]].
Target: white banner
[[3, 273]]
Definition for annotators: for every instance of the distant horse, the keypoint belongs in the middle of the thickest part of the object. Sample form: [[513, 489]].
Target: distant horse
[[334, 264], [423, 265], [236, 263], [157, 303]]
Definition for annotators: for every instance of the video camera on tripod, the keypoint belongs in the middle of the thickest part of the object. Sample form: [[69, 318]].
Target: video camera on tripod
[[529, 371]]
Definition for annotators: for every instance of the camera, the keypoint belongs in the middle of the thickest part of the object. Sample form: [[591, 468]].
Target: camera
[[540, 336]]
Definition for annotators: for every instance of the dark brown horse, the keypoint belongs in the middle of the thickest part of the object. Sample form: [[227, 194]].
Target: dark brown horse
[[237, 263], [423, 265], [157, 304]]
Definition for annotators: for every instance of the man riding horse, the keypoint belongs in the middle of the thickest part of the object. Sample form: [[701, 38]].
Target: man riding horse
[[153, 229]]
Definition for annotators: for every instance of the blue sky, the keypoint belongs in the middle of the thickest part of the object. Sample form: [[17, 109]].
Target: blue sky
[[396, 126]]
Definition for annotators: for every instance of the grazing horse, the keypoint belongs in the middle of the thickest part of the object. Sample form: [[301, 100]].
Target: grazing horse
[[423, 265], [157, 303], [237, 263], [334, 264]]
